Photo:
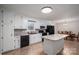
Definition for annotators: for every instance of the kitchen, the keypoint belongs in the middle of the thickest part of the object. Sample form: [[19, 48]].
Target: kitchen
[[16, 28], [23, 26]]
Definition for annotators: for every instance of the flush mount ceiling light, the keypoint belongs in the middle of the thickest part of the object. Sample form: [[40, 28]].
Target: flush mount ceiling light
[[46, 10]]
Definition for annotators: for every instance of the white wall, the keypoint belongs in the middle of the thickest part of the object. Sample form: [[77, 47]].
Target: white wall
[[71, 24]]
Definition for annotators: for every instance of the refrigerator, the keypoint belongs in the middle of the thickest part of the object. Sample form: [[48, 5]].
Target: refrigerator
[[50, 29]]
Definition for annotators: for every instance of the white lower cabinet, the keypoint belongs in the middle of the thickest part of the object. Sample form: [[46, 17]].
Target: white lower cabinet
[[34, 38], [17, 42]]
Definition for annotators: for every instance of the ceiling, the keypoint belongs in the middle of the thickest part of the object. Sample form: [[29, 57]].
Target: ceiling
[[60, 11]]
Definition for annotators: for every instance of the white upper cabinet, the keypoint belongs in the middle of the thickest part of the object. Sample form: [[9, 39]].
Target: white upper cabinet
[[37, 25], [20, 22], [17, 22], [24, 23]]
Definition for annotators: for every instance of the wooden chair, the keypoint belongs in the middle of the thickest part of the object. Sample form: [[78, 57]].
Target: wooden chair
[[66, 32], [61, 32], [73, 36], [70, 35]]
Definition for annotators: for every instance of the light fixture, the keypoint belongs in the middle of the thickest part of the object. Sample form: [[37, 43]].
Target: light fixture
[[46, 10]]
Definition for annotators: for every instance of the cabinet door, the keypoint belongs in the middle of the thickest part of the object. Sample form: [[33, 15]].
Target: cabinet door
[[0, 31], [18, 22], [32, 39], [8, 31], [17, 42], [37, 25], [24, 22], [35, 38], [39, 37]]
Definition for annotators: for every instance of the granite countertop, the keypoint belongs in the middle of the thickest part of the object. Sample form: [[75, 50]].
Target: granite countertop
[[21, 34], [55, 36]]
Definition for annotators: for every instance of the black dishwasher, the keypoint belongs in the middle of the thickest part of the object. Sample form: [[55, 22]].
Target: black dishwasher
[[24, 40]]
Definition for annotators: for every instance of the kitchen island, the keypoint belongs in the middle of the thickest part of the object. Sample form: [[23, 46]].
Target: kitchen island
[[53, 44]]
